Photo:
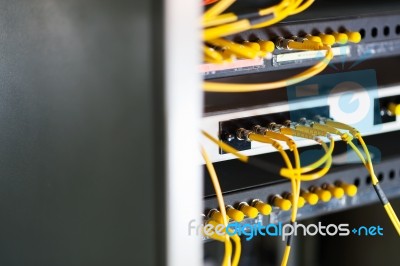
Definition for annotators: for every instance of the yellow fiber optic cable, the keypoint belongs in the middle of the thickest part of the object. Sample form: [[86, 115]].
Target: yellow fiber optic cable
[[295, 182], [271, 168], [269, 10], [226, 29], [215, 236], [238, 250], [309, 135], [284, 171], [321, 160], [296, 187], [218, 192], [280, 14], [286, 255], [218, 8], [218, 24], [313, 176], [212, 54], [238, 49], [344, 136], [208, 59], [221, 19], [382, 197], [303, 7], [213, 16], [290, 143], [275, 144], [368, 164], [287, 250], [235, 87]]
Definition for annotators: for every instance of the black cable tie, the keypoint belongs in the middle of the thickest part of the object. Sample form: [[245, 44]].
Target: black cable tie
[[249, 16], [381, 195], [290, 237]]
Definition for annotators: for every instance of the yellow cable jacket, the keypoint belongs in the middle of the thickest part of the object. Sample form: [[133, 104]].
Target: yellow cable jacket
[[278, 147], [321, 160], [207, 59], [275, 144], [369, 161], [211, 53], [316, 164], [280, 13], [235, 48], [238, 250], [275, 9], [324, 170], [235, 87], [286, 254], [393, 217], [278, 136], [389, 210], [218, 8], [295, 201], [227, 29], [357, 151], [260, 138], [313, 176], [303, 7], [294, 182], [219, 20], [265, 11], [221, 204], [296, 157]]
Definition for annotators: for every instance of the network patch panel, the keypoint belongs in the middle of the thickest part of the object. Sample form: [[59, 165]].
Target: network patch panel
[[222, 125], [265, 188], [380, 38], [325, 68]]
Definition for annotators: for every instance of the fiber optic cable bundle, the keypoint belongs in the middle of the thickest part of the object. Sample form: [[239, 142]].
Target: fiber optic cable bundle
[[294, 174], [218, 24], [314, 130], [226, 238]]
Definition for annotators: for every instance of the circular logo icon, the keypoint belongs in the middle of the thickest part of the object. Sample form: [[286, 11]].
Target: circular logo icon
[[349, 102]]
